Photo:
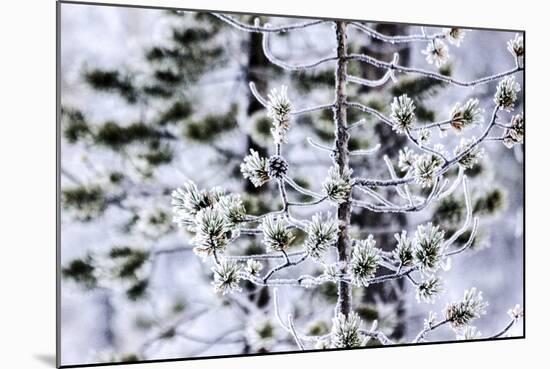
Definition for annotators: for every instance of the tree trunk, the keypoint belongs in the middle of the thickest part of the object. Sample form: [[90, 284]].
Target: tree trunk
[[342, 160]]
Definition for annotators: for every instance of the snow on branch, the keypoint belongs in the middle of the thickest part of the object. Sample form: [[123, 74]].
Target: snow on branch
[[437, 76], [291, 67], [378, 82], [442, 170], [395, 39], [262, 29], [436, 189]]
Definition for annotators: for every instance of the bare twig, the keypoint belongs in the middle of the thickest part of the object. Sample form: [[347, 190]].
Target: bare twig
[[395, 39], [261, 29]]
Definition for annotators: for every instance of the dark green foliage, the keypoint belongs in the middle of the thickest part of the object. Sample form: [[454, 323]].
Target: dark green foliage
[[115, 136], [211, 126], [157, 91], [187, 36], [159, 218], [75, 127], [80, 271], [112, 81], [191, 55], [329, 291], [253, 248], [450, 210], [137, 291], [367, 313], [490, 203], [173, 68], [129, 358], [90, 200], [263, 127], [320, 328], [159, 156], [479, 242], [175, 113], [120, 252], [476, 170], [132, 260], [424, 114], [168, 76], [359, 143], [306, 82], [265, 330], [116, 177], [159, 53]]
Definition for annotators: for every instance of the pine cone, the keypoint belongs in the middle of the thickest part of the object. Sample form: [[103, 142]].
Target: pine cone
[[277, 166]]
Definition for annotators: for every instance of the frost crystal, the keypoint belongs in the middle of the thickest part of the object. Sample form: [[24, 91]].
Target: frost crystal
[[345, 331], [364, 261], [515, 46], [436, 53], [454, 35], [403, 251], [407, 158], [428, 290], [253, 267], [428, 247], [278, 109], [514, 134], [321, 234], [187, 201], [425, 135], [226, 277], [507, 93], [233, 209], [332, 272], [462, 313], [402, 113], [516, 313], [468, 333], [430, 321], [425, 168], [337, 186], [255, 169], [211, 231], [472, 156], [464, 116], [276, 235]]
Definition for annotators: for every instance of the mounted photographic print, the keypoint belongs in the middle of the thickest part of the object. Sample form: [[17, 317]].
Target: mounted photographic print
[[236, 184]]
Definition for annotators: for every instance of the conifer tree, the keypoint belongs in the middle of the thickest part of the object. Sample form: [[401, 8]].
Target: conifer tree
[[382, 164]]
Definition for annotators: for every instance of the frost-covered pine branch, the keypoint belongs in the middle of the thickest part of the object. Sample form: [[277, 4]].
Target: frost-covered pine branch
[[419, 257]]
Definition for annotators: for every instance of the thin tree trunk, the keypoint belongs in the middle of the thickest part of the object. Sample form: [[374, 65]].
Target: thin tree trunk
[[342, 160]]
